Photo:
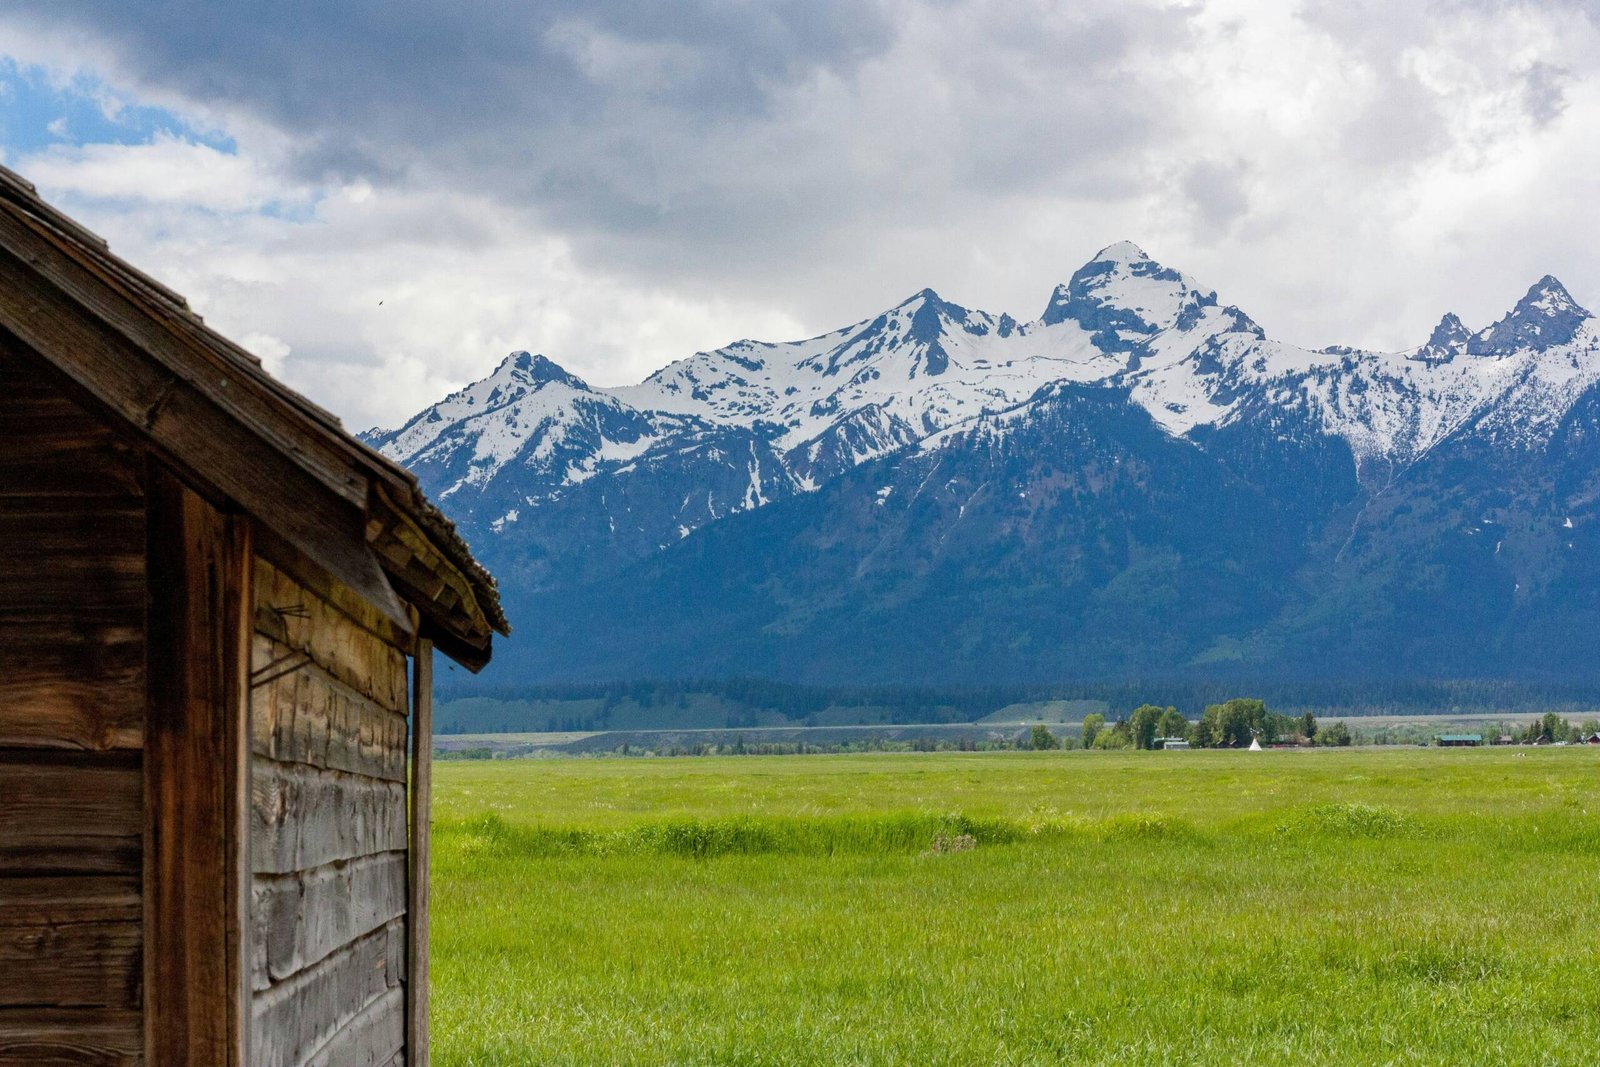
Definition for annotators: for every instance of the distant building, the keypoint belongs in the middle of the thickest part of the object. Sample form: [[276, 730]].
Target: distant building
[[1174, 743], [1460, 740], [1592, 739]]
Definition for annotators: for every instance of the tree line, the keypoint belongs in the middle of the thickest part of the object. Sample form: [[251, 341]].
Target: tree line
[[1230, 724], [590, 703]]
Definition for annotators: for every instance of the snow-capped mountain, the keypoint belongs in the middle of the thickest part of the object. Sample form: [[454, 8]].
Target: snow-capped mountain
[[559, 484]]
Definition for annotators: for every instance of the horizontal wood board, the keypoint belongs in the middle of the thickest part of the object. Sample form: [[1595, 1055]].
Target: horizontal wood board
[[72, 716], [328, 832]]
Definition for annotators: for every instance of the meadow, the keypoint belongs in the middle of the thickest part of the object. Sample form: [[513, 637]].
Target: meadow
[[1352, 906]]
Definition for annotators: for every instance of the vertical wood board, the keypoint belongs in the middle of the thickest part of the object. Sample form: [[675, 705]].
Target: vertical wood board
[[421, 819], [196, 738]]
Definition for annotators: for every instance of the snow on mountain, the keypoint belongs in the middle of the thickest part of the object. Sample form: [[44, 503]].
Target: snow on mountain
[[926, 362], [816, 408], [529, 411], [1545, 318], [1123, 298]]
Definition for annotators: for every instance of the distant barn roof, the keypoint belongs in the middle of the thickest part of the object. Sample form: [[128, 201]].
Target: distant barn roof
[[133, 349]]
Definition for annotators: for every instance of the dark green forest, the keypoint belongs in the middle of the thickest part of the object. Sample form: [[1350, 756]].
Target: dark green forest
[[745, 703]]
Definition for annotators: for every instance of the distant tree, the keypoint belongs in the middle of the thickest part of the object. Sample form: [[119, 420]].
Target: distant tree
[[1142, 725], [1041, 737], [1093, 723], [1172, 724], [1231, 722], [1110, 739], [1555, 727], [1308, 726], [1273, 727], [1590, 727], [1334, 734]]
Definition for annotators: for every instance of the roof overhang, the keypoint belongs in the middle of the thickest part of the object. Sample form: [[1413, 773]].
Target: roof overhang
[[133, 350]]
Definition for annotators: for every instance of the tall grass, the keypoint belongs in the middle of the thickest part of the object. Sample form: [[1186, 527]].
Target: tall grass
[[1325, 909]]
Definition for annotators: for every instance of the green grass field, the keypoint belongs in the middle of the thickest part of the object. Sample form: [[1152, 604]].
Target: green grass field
[[1356, 906]]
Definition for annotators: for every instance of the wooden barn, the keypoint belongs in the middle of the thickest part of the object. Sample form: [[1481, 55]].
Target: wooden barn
[[217, 617]]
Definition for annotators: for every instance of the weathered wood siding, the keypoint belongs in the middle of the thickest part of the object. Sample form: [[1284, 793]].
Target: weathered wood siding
[[72, 693], [328, 831]]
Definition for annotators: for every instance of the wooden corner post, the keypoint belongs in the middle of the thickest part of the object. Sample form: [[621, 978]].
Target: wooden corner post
[[196, 781], [417, 870]]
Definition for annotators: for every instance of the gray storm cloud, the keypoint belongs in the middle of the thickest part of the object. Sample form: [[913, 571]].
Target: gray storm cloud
[[618, 180]]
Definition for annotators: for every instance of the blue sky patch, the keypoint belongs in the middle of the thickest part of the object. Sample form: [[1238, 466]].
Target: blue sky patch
[[39, 112]]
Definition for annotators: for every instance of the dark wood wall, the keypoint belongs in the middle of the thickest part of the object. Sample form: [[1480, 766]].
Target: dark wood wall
[[328, 833], [117, 928], [72, 698]]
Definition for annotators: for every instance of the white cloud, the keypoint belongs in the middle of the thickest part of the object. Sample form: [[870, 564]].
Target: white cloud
[[618, 190], [376, 301], [165, 171]]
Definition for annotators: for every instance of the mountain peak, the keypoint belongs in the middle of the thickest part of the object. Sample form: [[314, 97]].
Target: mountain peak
[[1549, 297], [532, 369], [1545, 317], [1121, 252], [1122, 296], [922, 296], [1449, 339]]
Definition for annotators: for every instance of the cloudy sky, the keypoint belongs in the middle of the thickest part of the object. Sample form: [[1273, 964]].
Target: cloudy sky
[[383, 198]]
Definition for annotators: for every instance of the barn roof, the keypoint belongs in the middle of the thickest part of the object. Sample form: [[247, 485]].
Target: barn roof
[[131, 348]]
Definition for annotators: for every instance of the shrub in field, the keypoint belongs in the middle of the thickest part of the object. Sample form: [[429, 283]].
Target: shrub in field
[[708, 838], [943, 841], [1040, 737], [1141, 825], [1350, 820]]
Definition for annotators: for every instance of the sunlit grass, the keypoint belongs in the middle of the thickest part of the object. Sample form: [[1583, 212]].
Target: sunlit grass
[[1228, 908]]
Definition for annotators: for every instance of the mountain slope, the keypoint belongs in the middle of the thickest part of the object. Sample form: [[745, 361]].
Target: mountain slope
[[1137, 482]]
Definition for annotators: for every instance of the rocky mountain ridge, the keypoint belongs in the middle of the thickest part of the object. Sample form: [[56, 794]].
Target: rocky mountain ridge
[[561, 486]]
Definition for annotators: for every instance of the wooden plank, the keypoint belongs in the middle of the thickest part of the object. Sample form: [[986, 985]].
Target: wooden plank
[[421, 823], [31, 1037], [60, 899], [61, 286], [194, 763], [305, 817], [423, 576], [275, 552], [194, 436], [295, 616], [76, 684], [373, 1038], [70, 560], [70, 941], [239, 634], [302, 714], [77, 456], [80, 964], [296, 1018], [302, 918], [66, 813]]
